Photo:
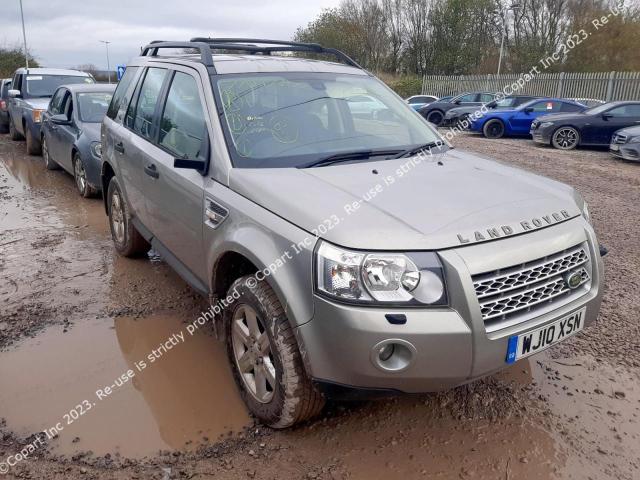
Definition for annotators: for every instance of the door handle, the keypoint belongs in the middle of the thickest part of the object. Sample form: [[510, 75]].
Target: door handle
[[119, 147], [151, 170]]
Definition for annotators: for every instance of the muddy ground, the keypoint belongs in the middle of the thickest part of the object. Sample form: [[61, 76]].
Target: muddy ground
[[74, 317]]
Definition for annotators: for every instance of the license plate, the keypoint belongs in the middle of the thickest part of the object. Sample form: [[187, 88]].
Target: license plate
[[525, 344], [615, 148]]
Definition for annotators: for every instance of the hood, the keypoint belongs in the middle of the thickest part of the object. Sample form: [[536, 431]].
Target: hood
[[630, 131], [38, 103], [460, 200], [561, 117]]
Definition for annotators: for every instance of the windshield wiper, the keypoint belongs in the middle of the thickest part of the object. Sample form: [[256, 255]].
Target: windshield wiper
[[415, 150], [348, 156]]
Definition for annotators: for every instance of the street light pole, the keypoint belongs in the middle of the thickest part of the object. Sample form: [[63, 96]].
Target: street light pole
[[512, 8], [24, 39], [106, 42]]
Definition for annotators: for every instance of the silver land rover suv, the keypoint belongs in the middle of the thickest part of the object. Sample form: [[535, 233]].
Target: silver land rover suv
[[345, 247]]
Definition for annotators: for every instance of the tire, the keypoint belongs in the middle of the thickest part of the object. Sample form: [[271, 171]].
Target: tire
[[565, 138], [13, 133], [34, 147], [4, 128], [80, 176], [269, 346], [126, 239], [436, 117], [493, 129], [49, 163]]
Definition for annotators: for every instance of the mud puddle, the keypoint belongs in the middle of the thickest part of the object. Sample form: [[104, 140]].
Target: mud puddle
[[183, 398]]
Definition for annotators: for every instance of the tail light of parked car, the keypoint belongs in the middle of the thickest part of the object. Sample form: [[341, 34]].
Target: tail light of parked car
[[3, 105]]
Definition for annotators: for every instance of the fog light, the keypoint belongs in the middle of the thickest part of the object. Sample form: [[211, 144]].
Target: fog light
[[386, 352], [393, 355]]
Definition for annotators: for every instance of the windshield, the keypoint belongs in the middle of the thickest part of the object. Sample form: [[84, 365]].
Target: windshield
[[597, 110], [45, 85], [93, 106], [292, 119]]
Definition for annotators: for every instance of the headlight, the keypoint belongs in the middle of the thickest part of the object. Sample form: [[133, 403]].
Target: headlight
[[635, 139], [380, 278], [37, 116], [546, 124], [96, 149]]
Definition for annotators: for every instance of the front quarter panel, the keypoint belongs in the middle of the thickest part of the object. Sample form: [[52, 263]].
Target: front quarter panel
[[270, 243]]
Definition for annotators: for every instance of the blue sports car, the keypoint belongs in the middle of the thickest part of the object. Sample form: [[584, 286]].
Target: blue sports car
[[517, 121]]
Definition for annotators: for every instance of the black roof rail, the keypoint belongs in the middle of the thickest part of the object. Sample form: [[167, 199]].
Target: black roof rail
[[252, 45], [203, 48], [206, 46]]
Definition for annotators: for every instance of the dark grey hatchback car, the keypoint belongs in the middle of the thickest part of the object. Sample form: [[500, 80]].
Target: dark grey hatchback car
[[71, 133]]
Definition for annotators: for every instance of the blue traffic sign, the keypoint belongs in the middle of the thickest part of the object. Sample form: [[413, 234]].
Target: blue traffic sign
[[120, 71]]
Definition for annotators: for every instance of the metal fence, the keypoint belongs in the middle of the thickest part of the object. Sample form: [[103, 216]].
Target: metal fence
[[608, 86]]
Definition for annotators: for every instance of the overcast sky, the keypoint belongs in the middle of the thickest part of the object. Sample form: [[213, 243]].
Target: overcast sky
[[65, 33]]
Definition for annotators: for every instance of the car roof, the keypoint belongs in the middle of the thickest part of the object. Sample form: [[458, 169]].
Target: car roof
[[52, 71], [238, 63], [90, 87]]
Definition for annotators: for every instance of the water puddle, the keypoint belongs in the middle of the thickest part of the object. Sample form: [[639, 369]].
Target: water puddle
[[184, 398]]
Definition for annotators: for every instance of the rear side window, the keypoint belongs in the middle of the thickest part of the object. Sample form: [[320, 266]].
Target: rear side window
[[140, 116], [570, 107], [546, 106], [182, 128], [123, 92]]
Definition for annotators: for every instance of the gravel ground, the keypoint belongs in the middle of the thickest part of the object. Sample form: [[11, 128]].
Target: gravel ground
[[572, 412]]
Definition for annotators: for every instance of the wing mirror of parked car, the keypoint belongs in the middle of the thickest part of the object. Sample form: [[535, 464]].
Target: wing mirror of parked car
[[200, 163], [528, 110], [607, 116], [60, 119], [14, 93]]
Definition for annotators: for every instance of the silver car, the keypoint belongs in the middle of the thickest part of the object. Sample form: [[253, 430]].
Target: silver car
[[341, 254]]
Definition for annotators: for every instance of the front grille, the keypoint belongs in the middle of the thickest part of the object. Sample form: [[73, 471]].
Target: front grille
[[619, 139], [510, 295]]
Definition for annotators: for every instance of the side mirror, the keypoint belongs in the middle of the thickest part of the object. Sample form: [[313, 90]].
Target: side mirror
[[14, 93], [458, 102], [199, 165], [528, 110], [492, 105], [60, 119], [606, 116]]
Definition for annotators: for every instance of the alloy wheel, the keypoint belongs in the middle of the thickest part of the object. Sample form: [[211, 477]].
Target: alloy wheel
[[117, 217], [252, 353], [45, 151], [566, 138]]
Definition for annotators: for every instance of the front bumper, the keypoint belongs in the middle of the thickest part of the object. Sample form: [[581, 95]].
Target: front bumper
[[541, 136], [627, 151], [450, 345]]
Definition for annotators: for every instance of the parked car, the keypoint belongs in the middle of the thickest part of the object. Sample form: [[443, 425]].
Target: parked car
[[517, 121], [436, 111], [5, 85], [589, 102], [625, 144], [418, 101], [325, 272], [459, 115], [365, 106], [593, 127], [29, 97], [71, 133]]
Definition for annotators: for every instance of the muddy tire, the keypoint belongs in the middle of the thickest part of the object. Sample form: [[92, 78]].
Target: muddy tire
[[266, 362], [13, 133], [126, 239], [493, 129], [80, 176], [565, 138], [34, 147], [49, 163]]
